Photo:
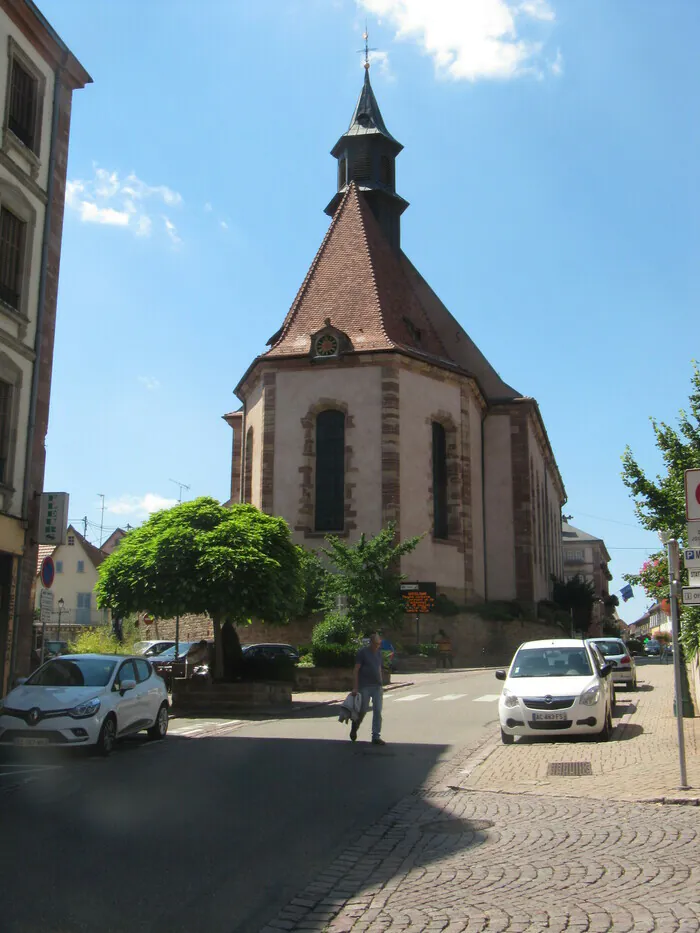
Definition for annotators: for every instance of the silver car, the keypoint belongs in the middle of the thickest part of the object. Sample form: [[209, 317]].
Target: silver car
[[615, 652]]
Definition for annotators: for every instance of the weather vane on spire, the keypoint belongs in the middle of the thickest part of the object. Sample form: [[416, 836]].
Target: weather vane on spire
[[367, 49]]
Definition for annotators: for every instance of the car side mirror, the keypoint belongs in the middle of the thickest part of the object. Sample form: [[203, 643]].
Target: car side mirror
[[605, 669], [126, 685], [20, 680], [500, 675]]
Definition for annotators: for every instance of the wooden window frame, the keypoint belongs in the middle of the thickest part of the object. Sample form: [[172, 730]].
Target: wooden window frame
[[15, 54]]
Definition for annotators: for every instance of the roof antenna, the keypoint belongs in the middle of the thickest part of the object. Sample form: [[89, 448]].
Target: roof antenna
[[367, 49]]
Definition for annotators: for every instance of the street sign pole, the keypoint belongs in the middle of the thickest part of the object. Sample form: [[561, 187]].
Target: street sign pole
[[673, 575]]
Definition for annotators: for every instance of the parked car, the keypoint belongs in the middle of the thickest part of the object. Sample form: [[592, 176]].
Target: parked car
[[652, 648], [271, 651], [615, 652], [560, 686], [85, 700], [149, 649], [172, 663]]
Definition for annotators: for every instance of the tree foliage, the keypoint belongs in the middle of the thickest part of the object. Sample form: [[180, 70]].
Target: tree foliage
[[575, 595], [200, 557], [660, 502], [367, 574]]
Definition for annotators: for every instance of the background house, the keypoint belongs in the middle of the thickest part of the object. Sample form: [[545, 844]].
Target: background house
[[38, 75], [587, 557], [112, 543], [76, 564]]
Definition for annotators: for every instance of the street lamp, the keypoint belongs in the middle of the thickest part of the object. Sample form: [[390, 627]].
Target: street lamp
[[61, 607]]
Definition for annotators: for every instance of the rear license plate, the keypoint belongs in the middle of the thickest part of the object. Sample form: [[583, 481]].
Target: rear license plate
[[31, 743], [548, 716]]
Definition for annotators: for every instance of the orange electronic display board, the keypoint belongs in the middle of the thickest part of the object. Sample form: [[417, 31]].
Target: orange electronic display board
[[418, 597]]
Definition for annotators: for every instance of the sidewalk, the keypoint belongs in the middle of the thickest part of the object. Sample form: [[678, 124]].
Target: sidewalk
[[639, 763]]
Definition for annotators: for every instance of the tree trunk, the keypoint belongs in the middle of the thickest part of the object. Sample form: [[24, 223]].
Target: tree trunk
[[218, 649]]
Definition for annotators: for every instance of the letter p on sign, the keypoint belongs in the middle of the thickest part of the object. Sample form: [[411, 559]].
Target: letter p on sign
[[692, 495]]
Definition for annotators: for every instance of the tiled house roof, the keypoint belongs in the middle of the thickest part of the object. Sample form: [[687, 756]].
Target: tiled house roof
[[378, 300], [94, 553], [45, 550]]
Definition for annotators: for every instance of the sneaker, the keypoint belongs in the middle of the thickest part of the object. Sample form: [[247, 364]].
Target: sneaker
[[353, 734], [377, 741]]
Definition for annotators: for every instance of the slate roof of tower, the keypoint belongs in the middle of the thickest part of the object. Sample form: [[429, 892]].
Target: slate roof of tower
[[367, 117], [377, 298]]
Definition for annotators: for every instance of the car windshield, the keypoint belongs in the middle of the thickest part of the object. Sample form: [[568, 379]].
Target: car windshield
[[610, 648], [73, 672], [169, 654], [551, 662]]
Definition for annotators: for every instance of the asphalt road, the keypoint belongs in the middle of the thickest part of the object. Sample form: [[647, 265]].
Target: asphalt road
[[215, 833]]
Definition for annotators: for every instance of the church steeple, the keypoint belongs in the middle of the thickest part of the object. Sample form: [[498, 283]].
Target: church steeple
[[366, 154]]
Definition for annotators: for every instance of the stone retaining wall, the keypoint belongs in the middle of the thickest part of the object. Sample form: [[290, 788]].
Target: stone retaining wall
[[328, 679], [198, 694]]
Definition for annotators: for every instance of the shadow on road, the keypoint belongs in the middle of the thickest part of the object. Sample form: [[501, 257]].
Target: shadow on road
[[630, 730], [212, 834]]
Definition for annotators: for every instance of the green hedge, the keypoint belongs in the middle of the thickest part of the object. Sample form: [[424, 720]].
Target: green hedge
[[334, 642]]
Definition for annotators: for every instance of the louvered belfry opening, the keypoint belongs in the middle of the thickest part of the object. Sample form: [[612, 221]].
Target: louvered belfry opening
[[330, 471], [11, 247]]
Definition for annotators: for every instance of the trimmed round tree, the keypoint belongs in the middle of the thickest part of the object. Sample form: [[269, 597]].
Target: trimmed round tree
[[234, 563]]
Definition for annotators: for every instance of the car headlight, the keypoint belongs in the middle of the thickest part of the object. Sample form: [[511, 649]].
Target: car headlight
[[509, 699], [591, 696], [86, 709]]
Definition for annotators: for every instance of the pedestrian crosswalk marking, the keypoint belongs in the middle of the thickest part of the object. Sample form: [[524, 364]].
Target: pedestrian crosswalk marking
[[487, 698], [413, 696], [450, 696]]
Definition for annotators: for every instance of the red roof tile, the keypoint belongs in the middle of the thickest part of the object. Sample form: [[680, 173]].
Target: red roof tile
[[374, 295]]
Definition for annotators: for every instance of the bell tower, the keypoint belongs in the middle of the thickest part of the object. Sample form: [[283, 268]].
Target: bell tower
[[366, 154]]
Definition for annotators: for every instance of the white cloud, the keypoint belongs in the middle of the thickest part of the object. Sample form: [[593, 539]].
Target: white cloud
[[471, 39], [171, 230], [150, 382], [380, 60], [557, 66], [208, 208], [106, 198], [92, 214], [139, 506], [223, 225]]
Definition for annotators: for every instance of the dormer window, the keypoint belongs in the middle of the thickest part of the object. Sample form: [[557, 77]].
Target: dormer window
[[414, 331]]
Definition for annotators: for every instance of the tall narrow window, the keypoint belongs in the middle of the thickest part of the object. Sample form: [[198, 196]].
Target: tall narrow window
[[5, 428], [11, 247], [330, 471], [386, 174], [342, 173], [23, 105], [248, 468], [440, 529], [362, 164]]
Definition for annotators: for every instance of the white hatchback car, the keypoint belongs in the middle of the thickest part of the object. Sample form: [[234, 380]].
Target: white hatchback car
[[557, 687], [85, 699]]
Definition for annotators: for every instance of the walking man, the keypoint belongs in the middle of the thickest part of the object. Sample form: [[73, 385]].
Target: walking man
[[367, 681]]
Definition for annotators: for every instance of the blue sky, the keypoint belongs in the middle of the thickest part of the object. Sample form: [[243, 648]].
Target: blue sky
[[551, 153]]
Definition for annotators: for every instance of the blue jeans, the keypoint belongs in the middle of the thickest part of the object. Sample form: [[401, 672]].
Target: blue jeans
[[375, 693]]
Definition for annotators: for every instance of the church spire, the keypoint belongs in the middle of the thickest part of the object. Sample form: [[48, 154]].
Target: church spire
[[366, 154]]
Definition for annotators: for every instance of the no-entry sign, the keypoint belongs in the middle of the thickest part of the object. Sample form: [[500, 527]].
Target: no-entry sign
[[692, 495]]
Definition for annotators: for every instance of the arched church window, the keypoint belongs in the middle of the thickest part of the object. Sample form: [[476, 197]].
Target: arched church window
[[330, 471], [440, 529], [248, 468], [342, 172]]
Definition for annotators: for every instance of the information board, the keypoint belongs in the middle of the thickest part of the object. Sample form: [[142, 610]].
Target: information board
[[418, 597]]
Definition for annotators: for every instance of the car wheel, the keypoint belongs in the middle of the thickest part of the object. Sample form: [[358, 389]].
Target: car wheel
[[107, 737], [159, 729], [606, 731], [507, 739]]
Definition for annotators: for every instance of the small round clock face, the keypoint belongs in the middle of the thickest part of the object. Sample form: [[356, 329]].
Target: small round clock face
[[327, 345]]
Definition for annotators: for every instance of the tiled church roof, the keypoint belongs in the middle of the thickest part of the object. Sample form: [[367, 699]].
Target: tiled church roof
[[375, 296]]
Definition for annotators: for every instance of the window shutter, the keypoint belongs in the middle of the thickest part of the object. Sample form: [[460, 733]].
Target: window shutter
[[5, 427], [330, 471], [23, 101], [11, 244]]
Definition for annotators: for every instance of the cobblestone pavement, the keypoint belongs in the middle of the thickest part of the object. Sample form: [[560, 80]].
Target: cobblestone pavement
[[641, 762], [492, 844]]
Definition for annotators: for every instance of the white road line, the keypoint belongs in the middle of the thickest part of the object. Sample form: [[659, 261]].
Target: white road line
[[413, 696], [450, 696], [487, 698]]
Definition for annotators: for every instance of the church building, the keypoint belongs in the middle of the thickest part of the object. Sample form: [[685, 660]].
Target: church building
[[372, 405]]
